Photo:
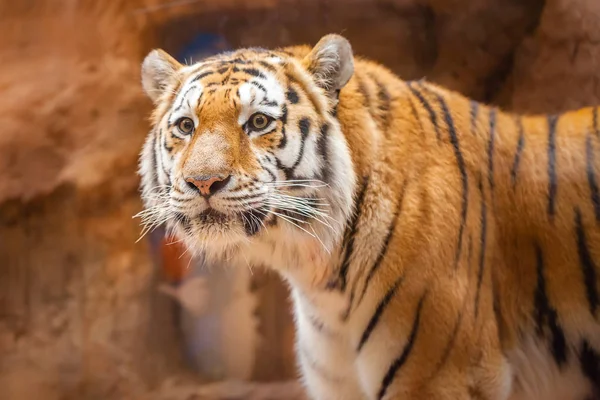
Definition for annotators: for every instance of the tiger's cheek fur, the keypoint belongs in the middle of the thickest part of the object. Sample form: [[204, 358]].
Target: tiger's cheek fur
[[148, 170]]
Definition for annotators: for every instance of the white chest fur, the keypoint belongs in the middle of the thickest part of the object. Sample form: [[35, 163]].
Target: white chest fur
[[325, 353]]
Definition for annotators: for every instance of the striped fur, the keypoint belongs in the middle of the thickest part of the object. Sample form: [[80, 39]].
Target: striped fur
[[436, 248]]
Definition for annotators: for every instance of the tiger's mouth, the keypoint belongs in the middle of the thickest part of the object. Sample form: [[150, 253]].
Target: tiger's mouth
[[215, 221]]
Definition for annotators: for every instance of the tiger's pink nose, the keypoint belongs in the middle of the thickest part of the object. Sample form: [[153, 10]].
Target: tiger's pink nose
[[207, 185]]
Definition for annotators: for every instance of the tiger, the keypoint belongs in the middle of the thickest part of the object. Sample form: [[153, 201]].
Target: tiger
[[435, 247]]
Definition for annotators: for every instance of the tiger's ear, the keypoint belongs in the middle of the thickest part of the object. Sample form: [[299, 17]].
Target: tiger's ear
[[330, 62], [158, 69]]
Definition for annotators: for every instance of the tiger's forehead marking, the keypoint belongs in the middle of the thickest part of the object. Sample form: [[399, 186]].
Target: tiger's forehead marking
[[262, 93], [186, 101], [253, 81]]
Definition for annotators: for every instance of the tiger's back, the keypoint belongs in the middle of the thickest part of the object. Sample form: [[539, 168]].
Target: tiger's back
[[532, 239], [466, 265]]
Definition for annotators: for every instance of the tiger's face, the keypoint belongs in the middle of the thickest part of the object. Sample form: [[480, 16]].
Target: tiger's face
[[245, 145]]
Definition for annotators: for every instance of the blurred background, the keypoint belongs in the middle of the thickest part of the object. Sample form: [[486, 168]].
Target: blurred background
[[88, 313]]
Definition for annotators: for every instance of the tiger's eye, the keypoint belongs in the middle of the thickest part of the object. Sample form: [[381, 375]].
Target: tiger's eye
[[259, 121], [185, 126]]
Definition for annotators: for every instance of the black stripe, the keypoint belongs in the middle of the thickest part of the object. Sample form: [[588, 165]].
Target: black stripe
[[267, 66], [253, 220], [154, 166], [316, 323], [350, 233], [292, 96], [482, 243], [497, 309], [492, 127], [283, 119], [167, 174], [287, 172], [377, 314], [294, 215], [183, 98], [520, 145], [333, 111], [304, 126], [545, 314], [463, 175], [258, 85], [363, 91], [591, 174], [450, 345], [470, 256], [595, 121], [271, 174], [267, 103], [272, 221], [384, 248], [323, 149], [166, 145], [318, 368], [427, 106], [248, 196], [290, 78], [590, 365], [542, 306], [202, 75], [159, 155], [415, 115], [474, 111], [588, 266], [178, 190], [384, 104], [399, 362], [223, 70], [254, 72], [552, 120]]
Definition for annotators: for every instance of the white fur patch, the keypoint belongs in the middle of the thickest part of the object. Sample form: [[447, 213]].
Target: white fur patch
[[326, 357], [537, 377], [186, 102], [311, 162], [251, 98]]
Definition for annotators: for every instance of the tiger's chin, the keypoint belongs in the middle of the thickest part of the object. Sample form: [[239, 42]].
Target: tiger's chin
[[212, 231]]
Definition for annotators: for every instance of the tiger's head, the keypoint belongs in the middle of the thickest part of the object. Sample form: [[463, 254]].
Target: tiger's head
[[245, 147]]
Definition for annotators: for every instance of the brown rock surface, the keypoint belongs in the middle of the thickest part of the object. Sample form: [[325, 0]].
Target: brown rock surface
[[558, 67], [80, 317]]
